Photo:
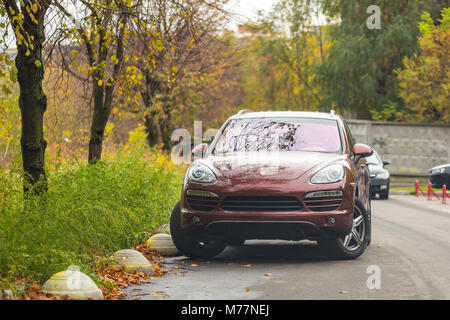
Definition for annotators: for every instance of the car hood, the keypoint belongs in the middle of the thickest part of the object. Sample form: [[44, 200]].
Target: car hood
[[269, 165], [440, 167]]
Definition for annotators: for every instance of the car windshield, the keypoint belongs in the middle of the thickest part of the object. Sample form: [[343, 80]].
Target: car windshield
[[296, 134], [374, 159]]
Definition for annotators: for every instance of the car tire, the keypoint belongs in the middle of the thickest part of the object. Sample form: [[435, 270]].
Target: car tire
[[206, 249], [338, 249]]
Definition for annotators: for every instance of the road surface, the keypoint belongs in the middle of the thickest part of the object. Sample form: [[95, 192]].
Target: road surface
[[410, 254]]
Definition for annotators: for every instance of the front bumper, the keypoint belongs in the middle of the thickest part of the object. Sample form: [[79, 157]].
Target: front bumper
[[378, 186], [439, 180], [284, 225], [282, 230]]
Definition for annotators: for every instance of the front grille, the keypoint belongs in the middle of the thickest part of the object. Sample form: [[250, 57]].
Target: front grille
[[202, 203], [323, 204], [261, 204]]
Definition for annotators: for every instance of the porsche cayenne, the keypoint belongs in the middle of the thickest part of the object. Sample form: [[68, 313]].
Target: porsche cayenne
[[277, 175]]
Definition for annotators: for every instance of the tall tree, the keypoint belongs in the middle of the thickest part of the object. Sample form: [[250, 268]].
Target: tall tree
[[424, 82], [26, 19], [101, 35], [286, 47], [358, 73], [180, 44]]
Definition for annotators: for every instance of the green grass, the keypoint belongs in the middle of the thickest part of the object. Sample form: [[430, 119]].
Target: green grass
[[88, 211]]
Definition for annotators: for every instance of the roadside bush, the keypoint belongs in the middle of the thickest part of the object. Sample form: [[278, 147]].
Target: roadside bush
[[89, 211]]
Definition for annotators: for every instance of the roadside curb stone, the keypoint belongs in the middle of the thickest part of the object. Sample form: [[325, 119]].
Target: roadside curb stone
[[74, 284], [132, 261], [163, 244]]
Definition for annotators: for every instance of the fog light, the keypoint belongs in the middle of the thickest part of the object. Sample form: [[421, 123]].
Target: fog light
[[331, 220], [201, 193], [195, 220], [324, 194]]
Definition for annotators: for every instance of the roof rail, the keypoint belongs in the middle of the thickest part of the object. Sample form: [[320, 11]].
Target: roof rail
[[243, 112]]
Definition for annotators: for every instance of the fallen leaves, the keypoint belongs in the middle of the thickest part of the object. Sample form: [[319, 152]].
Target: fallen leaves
[[160, 296], [119, 279], [247, 266], [194, 265], [267, 274], [343, 292], [35, 293], [112, 279]]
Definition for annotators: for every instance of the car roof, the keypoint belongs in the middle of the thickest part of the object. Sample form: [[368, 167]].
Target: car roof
[[285, 114]]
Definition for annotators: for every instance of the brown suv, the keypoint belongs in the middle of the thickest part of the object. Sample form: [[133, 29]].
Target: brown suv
[[276, 175]]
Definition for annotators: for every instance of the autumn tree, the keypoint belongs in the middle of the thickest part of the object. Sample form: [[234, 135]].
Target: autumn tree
[[177, 50], [97, 54], [284, 49], [357, 75], [424, 81], [26, 20]]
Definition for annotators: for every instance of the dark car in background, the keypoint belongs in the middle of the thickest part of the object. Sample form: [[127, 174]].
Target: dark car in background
[[440, 176], [380, 179]]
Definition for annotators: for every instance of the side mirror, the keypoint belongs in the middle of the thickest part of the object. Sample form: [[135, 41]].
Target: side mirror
[[386, 162], [361, 151], [199, 150]]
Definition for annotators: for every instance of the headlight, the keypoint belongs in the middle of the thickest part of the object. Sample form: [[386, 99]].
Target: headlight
[[331, 174], [199, 172], [383, 175]]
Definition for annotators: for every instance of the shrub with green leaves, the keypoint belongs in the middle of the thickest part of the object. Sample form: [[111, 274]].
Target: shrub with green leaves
[[88, 211]]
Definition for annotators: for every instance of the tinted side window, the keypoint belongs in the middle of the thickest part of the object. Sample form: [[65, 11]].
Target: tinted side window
[[350, 138]]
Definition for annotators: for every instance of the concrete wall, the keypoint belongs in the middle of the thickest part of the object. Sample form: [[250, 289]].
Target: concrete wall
[[413, 149]]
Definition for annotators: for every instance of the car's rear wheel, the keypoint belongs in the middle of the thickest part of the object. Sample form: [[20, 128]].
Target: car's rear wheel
[[354, 244], [194, 248]]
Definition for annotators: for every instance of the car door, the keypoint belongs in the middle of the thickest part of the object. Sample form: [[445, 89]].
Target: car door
[[362, 170]]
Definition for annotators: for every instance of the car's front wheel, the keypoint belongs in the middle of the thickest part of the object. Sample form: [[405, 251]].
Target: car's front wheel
[[193, 248], [354, 244]]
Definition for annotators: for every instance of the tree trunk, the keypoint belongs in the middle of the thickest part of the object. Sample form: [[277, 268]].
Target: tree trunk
[[33, 104], [151, 130], [98, 125], [104, 93]]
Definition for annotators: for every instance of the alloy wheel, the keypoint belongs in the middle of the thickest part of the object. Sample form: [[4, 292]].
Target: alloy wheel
[[355, 238]]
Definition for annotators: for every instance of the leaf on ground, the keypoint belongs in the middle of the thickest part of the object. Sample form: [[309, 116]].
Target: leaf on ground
[[194, 265], [267, 274]]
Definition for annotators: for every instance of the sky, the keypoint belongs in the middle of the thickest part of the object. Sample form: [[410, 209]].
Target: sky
[[247, 9]]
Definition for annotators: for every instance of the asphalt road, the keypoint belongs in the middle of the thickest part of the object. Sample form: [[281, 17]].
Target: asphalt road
[[410, 248]]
